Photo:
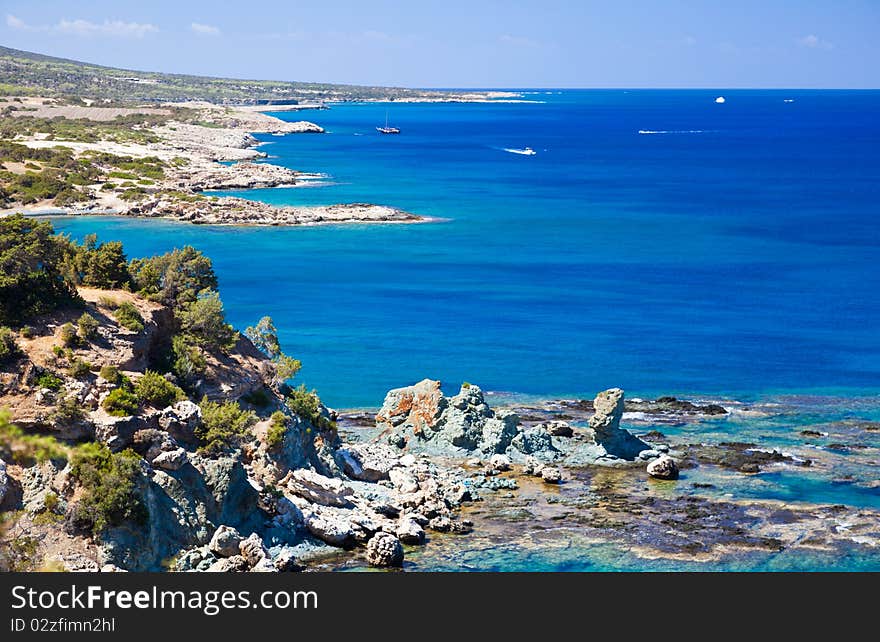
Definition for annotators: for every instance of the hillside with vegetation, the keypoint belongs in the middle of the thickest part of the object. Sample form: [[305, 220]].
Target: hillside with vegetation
[[26, 73]]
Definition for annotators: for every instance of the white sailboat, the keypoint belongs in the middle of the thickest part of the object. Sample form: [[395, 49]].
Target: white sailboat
[[386, 129]]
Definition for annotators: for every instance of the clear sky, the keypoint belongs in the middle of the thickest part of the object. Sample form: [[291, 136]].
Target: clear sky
[[469, 43]]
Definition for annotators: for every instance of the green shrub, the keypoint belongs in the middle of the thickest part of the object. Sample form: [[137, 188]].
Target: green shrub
[[69, 336], [108, 302], [224, 425], [189, 362], [120, 403], [68, 411], [157, 391], [307, 404], [79, 368], [27, 332], [204, 322], [9, 349], [58, 351], [49, 380], [87, 327], [110, 488], [128, 317], [276, 431], [110, 373]]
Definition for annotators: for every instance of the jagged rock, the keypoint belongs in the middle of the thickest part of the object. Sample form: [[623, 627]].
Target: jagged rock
[[534, 441], [4, 480], [609, 409], [415, 407], [409, 531], [117, 432], [651, 453], [318, 488], [252, 549], [171, 459], [195, 559], [558, 428], [181, 420], [441, 524], [234, 564], [225, 541], [384, 549], [404, 481], [330, 528], [663, 468], [499, 463], [285, 561], [367, 463], [551, 475], [607, 433]]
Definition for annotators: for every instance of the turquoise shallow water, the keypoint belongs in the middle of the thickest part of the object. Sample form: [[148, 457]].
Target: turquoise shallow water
[[734, 254]]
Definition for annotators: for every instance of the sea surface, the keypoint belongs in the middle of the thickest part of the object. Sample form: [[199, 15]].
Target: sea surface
[[657, 241]]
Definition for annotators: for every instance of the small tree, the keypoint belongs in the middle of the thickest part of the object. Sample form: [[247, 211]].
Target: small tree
[[224, 425], [204, 322], [87, 327], [9, 349], [276, 431], [157, 391], [264, 336]]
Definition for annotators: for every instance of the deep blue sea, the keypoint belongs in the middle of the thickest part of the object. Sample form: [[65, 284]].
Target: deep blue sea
[[734, 251]]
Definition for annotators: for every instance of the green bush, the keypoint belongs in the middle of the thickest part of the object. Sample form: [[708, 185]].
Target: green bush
[[9, 349], [307, 404], [120, 403], [276, 431], [204, 322], [108, 302], [110, 488], [105, 266], [157, 391], [27, 332], [110, 373], [87, 327], [68, 411], [49, 380], [224, 425], [189, 362], [79, 368], [128, 317], [69, 335]]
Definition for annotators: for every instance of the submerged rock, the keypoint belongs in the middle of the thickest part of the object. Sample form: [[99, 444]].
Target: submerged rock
[[384, 549]]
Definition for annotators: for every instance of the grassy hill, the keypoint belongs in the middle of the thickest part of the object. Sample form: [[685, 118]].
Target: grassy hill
[[26, 73]]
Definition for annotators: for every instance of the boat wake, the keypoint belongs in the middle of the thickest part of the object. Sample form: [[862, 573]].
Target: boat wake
[[525, 151], [674, 131]]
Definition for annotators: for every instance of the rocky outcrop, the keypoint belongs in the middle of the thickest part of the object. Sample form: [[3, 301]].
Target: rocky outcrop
[[611, 443], [384, 549], [663, 467], [238, 211], [225, 541], [420, 417], [318, 489]]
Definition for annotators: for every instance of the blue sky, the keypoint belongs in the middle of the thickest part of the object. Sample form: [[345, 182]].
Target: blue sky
[[455, 43]]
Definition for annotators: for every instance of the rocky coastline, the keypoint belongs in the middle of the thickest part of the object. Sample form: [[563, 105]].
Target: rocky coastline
[[214, 150]]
